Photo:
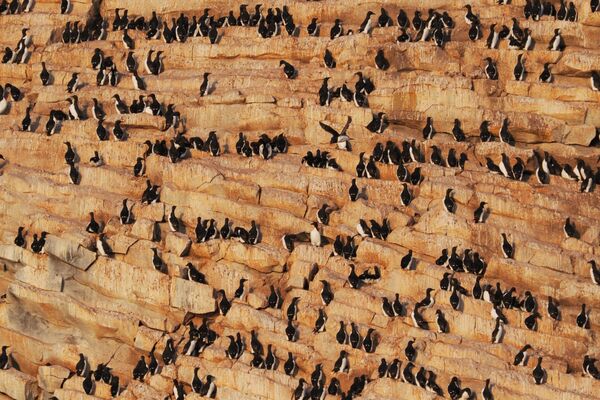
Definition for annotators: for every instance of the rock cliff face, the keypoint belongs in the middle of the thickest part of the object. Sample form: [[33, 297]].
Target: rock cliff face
[[69, 299]]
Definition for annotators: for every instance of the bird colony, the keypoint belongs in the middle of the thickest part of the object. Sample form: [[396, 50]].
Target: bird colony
[[304, 200]]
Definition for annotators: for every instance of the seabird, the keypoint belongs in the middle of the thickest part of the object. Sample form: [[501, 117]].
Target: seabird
[[209, 389], [140, 370], [74, 175], [72, 84], [457, 131], [378, 123], [539, 373], [342, 364], [88, 384], [289, 367], [498, 331], [341, 336], [583, 318], [224, 304], [37, 245], [531, 321], [320, 322], [407, 375], [353, 279], [324, 93], [365, 27], [288, 69], [353, 191], [274, 300], [120, 106], [328, 59], [479, 213], [594, 272], [387, 307], [546, 75], [407, 260], [553, 310], [81, 368], [301, 391], [449, 202], [507, 248], [556, 43], [595, 81], [522, 356], [380, 61], [490, 70], [519, 70], [441, 322], [493, 38], [194, 275], [291, 332], [417, 319], [65, 6], [393, 370], [270, 359], [504, 134], [569, 229], [326, 293], [313, 28]]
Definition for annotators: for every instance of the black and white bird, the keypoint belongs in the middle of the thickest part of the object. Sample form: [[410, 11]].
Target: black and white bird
[[380, 61], [353, 191], [522, 356], [595, 81], [313, 28], [498, 332], [73, 83], [449, 202], [140, 370], [82, 366], [546, 75], [594, 272], [224, 304], [88, 384], [342, 364], [553, 310], [556, 43], [539, 373], [569, 229], [204, 86], [365, 27], [315, 235], [288, 69], [291, 332], [405, 195], [441, 322], [74, 175], [491, 72], [324, 93], [428, 301], [507, 247], [326, 293], [583, 319], [341, 336], [480, 213], [406, 261], [65, 6], [328, 59], [125, 216], [378, 123], [301, 391], [320, 322], [519, 70]]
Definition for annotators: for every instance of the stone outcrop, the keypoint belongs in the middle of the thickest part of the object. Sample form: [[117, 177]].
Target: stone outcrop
[[69, 299]]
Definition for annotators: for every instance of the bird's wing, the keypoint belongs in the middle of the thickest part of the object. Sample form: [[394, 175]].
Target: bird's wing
[[346, 126], [328, 129]]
